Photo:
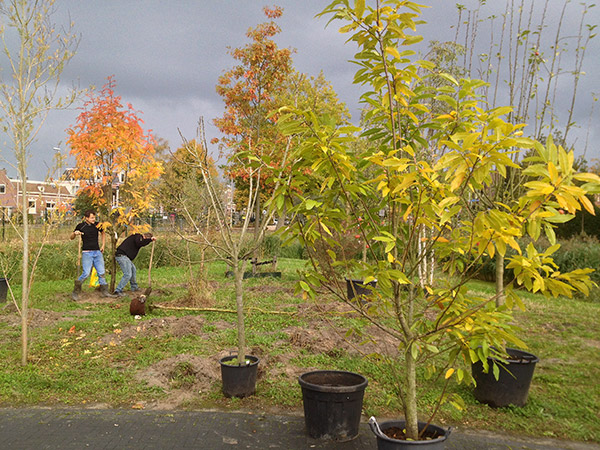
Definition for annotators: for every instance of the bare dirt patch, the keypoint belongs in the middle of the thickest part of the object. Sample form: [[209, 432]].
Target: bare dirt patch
[[39, 317], [183, 377], [93, 297], [160, 326], [324, 338]]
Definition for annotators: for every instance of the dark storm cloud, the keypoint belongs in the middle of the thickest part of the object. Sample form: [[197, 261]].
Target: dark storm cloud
[[166, 57]]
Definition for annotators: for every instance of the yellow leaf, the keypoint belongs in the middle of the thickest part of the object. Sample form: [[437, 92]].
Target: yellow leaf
[[457, 181], [553, 172], [392, 51], [449, 373], [587, 205]]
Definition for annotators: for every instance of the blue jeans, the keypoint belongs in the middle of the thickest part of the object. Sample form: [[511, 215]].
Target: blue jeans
[[93, 258], [129, 273]]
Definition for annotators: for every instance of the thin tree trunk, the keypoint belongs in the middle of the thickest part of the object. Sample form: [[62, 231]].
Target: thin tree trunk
[[500, 298], [25, 275], [238, 274], [410, 400], [113, 262]]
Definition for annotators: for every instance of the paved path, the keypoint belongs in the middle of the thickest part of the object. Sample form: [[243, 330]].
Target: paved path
[[50, 428]]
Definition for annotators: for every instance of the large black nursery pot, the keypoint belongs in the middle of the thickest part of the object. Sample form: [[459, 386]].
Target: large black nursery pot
[[434, 436], [357, 287], [3, 289], [512, 386], [332, 403], [238, 381]]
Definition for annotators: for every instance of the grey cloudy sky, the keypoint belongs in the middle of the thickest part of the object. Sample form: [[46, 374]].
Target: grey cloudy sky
[[166, 57]]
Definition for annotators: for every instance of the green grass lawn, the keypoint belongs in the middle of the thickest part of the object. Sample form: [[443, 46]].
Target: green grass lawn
[[93, 352]]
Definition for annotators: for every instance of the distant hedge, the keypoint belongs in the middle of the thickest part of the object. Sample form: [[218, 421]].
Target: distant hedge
[[58, 261]]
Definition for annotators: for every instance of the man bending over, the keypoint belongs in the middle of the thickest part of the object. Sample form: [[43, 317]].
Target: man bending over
[[125, 254]]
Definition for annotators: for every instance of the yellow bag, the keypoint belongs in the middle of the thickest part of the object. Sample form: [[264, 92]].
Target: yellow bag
[[94, 282]]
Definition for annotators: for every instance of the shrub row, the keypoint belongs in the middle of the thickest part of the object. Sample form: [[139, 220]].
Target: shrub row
[[58, 261]]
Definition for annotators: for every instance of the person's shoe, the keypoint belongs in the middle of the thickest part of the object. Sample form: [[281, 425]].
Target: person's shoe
[[119, 293], [135, 289], [76, 291], [104, 291]]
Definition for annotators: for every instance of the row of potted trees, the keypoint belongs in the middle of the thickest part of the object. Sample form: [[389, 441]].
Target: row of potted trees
[[416, 181]]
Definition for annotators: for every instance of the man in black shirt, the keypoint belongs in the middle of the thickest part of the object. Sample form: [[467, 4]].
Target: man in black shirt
[[91, 254], [125, 254]]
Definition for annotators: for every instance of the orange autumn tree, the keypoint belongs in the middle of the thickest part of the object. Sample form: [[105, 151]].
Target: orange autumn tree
[[249, 91], [114, 161]]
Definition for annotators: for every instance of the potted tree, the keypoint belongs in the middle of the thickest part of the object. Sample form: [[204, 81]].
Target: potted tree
[[503, 381], [234, 246], [425, 168]]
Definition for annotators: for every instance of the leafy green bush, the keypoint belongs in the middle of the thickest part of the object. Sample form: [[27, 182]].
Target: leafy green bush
[[58, 261], [55, 262], [581, 252], [273, 245]]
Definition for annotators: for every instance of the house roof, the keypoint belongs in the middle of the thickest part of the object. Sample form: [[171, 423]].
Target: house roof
[[43, 188]]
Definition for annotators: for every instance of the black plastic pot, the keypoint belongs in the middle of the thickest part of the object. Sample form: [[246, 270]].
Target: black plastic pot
[[357, 287], [436, 434], [238, 381], [512, 386], [332, 403], [3, 289]]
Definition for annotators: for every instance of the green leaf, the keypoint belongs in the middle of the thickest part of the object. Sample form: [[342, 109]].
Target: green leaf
[[414, 351], [496, 371], [359, 8], [310, 204]]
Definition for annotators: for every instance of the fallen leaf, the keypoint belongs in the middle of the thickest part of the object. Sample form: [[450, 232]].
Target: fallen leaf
[[72, 329]]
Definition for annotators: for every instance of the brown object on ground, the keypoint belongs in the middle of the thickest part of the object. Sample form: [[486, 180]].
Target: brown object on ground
[[137, 307]]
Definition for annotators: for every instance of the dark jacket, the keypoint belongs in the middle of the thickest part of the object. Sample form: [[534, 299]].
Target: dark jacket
[[89, 235], [131, 246]]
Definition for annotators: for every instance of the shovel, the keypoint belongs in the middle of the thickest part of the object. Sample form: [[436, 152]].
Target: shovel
[[148, 290], [78, 257]]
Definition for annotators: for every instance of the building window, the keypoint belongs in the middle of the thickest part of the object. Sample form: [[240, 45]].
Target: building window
[[50, 205], [2, 189]]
